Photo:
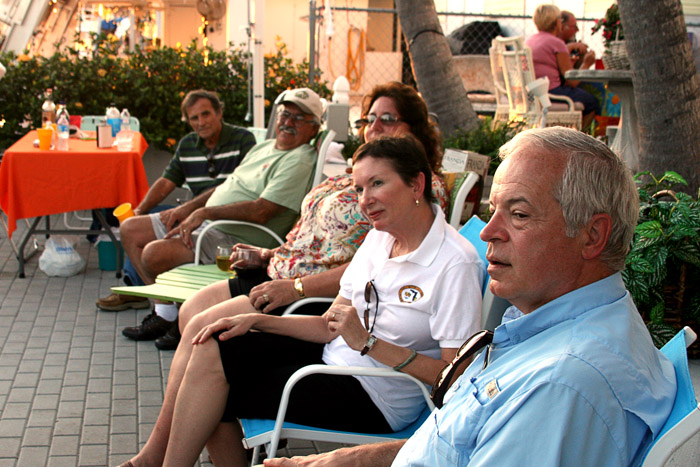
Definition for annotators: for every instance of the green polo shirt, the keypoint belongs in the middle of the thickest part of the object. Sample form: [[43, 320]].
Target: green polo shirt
[[281, 177]]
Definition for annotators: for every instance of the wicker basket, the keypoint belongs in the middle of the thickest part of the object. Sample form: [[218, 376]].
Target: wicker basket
[[615, 56]]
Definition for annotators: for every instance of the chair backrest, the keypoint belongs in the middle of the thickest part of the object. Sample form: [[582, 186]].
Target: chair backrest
[[459, 198], [323, 142], [89, 122], [259, 133], [514, 59], [684, 421]]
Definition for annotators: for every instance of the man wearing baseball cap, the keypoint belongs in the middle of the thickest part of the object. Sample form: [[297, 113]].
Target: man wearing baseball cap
[[266, 188]]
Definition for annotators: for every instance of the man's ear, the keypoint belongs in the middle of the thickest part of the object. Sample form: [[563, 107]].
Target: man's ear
[[597, 233]]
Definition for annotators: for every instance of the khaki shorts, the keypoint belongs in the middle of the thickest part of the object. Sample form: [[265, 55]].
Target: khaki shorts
[[211, 240]]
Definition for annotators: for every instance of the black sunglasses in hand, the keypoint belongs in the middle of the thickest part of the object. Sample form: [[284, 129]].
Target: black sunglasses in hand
[[469, 348]]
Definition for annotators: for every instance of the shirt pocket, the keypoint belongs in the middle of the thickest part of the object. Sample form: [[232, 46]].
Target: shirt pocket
[[445, 453]]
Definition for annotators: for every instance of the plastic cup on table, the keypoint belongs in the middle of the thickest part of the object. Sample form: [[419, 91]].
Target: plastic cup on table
[[123, 212], [45, 137]]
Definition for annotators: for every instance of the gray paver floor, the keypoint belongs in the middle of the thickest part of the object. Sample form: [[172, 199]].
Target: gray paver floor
[[73, 390]]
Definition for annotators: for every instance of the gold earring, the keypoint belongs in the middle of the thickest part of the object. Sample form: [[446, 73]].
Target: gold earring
[[417, 203]]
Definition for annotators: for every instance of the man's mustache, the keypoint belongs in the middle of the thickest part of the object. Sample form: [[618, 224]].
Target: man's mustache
[[289, 129]]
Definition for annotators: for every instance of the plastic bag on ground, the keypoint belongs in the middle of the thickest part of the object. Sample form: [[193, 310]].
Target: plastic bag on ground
[[60, 258]]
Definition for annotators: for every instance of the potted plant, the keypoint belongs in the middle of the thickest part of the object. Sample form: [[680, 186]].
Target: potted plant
[[662, 269], [615, 55]]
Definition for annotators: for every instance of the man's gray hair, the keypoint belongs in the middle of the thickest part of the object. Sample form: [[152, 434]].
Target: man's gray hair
[[595, 181]]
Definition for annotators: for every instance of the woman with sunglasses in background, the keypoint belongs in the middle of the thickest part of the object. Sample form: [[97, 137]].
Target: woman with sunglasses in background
[[395, 109], [409, 298]]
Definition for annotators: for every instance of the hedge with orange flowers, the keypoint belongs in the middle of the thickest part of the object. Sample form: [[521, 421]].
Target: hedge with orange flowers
[[149, 82]]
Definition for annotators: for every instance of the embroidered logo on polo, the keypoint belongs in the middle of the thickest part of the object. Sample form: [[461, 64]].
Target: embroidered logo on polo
[[410, 294]]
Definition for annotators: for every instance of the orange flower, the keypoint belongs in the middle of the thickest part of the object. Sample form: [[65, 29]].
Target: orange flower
[[24, 58], [102, 72], [170, 142], [78, 105]]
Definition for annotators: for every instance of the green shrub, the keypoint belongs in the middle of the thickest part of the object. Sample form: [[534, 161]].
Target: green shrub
[[149, 82]]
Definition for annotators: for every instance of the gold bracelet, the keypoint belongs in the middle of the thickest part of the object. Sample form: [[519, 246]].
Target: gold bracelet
[[299, 287], [412, 357]]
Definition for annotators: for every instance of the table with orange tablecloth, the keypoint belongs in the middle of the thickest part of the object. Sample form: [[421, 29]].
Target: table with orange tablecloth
[[36, 183]]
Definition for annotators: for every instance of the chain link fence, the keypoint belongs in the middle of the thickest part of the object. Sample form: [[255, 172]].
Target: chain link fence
[[366, 45]]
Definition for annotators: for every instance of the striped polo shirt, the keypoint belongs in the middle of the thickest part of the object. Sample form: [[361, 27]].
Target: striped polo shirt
[[190, 164]]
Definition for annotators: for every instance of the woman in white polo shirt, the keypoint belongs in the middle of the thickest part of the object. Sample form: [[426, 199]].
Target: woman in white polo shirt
[[409, 298]]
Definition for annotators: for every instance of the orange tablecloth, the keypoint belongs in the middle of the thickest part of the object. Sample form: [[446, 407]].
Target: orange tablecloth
[[38, 183]]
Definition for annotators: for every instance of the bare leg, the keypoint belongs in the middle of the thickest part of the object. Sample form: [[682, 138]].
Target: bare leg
[[154, 450], [199, 406], [162, 255], [136, 233], [222, 446], [204, 299]]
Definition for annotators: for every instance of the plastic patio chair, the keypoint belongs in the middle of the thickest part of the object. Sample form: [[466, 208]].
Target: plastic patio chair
[[684, 421], [512, 68], [258, 432]]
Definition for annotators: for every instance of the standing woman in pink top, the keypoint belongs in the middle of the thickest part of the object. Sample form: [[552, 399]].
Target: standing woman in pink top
[[551, 58]]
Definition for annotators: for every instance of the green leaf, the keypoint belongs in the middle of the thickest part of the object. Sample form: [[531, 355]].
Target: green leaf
[[673, 178], [656, 314], [649, 230]]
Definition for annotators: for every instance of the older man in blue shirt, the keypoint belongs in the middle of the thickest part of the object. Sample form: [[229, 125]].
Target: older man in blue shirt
[[571, 376]]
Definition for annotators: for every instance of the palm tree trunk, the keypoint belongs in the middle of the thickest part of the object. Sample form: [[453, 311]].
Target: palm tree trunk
[[435, 73], [666, 85]]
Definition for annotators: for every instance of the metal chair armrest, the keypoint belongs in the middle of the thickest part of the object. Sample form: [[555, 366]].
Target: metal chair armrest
[[211, 225], [333, 370]]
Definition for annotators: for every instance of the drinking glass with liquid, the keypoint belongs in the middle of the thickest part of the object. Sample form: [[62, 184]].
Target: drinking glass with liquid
[[223, 258]]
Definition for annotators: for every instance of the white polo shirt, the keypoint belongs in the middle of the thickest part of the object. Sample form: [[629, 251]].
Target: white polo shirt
[[428, 299]]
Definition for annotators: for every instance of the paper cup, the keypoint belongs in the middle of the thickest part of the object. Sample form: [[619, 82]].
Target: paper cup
[[45, 136], [123, 212]]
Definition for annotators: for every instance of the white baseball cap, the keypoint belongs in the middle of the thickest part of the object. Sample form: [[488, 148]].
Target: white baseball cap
[[307, 100]]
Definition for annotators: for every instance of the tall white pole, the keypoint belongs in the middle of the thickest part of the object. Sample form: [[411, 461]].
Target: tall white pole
[[258, 64]]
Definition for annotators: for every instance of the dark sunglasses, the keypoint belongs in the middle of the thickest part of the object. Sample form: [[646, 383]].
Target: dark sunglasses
[[386, 119], [368, 298], [469, 348], [211, 168], [297, 119]]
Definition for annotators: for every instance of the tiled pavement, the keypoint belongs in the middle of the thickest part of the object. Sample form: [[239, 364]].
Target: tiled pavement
[[73, 390]]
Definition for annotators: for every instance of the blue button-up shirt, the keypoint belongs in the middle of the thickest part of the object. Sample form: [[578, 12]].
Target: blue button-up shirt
[[576, 382]]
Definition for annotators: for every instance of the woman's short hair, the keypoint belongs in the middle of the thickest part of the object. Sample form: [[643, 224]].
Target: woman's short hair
[[197, 94], [595, 181], [406, 156], [412, 110], [545, 17]]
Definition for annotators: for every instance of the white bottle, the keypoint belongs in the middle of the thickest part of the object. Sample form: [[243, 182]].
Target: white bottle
[[126, 120], [125, 134], [63, 127], [113, 119]]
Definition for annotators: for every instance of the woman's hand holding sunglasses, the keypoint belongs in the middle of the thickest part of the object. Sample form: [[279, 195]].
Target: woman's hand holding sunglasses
[[344, 320]]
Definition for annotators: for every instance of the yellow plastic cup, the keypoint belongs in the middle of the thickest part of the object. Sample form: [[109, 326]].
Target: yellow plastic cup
[[123, 212], [45, 136]]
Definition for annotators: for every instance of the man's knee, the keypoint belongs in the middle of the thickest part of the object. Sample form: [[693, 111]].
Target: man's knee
[[138, 230], [162, 255]]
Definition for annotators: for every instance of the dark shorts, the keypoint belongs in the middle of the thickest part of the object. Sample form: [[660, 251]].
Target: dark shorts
[[246, 279], [589, 101], [258, 365]]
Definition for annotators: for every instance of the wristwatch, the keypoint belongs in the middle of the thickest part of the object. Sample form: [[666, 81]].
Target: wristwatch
[[371, 340], [299, 287]]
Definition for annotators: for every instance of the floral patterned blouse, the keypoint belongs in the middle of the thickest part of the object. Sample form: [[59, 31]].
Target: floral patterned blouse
[[331, 228]]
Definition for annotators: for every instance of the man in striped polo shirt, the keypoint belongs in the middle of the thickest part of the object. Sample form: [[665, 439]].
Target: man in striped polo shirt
[[202, 160]]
